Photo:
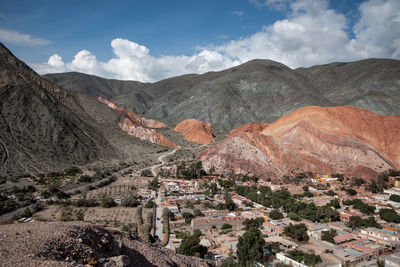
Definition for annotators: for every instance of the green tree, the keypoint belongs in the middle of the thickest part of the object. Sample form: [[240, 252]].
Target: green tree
[[354, 222], [229, 204], [250, 247], [389, 215], [108, 203], [150, 204], [298, 232], [329, 236], [188, 217], [395, 198], [190, 246], [294, 216], [275, 215], [226, 226]]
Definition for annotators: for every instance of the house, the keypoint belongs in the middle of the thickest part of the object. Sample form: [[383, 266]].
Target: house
[[390, 239], [345, 215]]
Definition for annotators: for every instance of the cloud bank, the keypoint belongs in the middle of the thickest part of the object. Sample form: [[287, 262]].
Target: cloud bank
[[310, 34], [17, 38]]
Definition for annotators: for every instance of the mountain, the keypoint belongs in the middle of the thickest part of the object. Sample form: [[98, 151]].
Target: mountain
[[264, 90], [45, 128], [341, 139], [139, 126], [195, 131], [92, 85], [372, 83]]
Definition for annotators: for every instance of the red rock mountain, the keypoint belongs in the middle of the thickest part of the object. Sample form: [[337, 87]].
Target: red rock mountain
[[195, 131], [342, 139], [249, 128], [138, 126]]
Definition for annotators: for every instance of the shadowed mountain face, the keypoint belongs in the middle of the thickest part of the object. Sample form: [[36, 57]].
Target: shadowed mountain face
[[342, 139], [44, 128], [93, 85], [264, 90]]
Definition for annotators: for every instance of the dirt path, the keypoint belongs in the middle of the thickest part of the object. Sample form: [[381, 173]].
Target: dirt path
[[160, 158]]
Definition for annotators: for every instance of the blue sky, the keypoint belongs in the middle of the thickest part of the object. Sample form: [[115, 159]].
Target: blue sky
[[155, 39]]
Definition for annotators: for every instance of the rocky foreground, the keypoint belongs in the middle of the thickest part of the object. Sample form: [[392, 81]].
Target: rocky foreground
[[80, 244]]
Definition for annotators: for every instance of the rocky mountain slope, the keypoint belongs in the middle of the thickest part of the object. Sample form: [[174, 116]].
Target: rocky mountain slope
[[139, 126], [264, 90], [92, 85], [44, 128], [195, 131], [342, 139], [80, 244]]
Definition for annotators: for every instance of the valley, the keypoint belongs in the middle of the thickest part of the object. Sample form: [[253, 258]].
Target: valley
[[196, 166]]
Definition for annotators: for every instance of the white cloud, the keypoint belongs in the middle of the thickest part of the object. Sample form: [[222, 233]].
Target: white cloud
[[377, 33], [238, 13], [310, 34], [275, 4], [17, 38]]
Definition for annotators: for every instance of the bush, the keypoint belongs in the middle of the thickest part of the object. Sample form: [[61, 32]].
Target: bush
[[131, 202], [150, 204], [226, 226], [85, 179], [72, 171], [108, 203], [146, 173]]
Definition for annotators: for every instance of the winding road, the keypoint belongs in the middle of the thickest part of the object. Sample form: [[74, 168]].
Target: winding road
[[160, 158]]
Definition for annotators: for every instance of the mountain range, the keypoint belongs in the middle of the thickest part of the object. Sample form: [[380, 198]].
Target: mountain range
[[257, 91], [260, 117]]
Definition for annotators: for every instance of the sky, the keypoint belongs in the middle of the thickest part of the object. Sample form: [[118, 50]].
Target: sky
[[150, 40]]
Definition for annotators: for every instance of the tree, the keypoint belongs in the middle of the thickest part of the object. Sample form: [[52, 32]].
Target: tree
[[226, 226], [108, 203], [275, 215], [298, 232], [27, 213], [294, 216], [253, 223], [389, 215], [197, 213], [329, 236], [335, 203], [351, 192], [230, 205], [131, 202], [354, 222], [190, 246], [250, 247], [150, 204], [380, 262], [395, 198], [153, 185], [188, 217], [147, 173]]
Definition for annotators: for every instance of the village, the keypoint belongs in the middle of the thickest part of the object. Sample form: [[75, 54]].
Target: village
[[306, 219]]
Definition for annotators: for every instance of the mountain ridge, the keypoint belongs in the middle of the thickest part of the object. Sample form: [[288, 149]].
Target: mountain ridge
[[264, 90]]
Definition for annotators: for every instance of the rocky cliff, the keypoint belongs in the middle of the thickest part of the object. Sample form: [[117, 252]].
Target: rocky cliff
[[139, 126]]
